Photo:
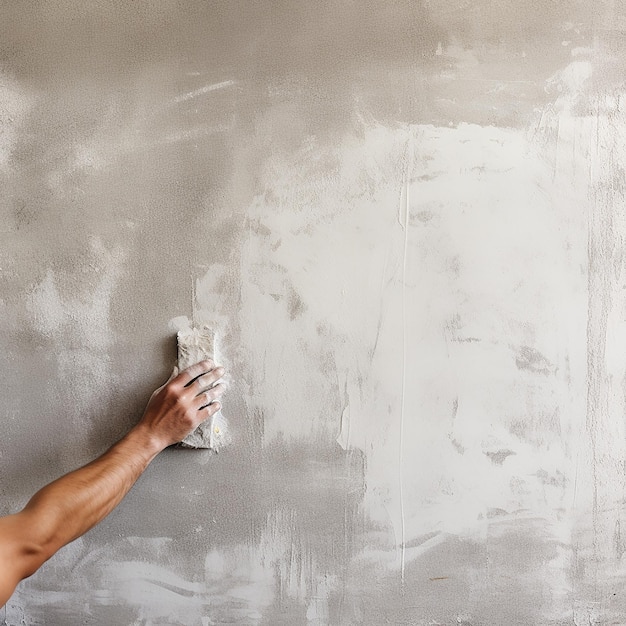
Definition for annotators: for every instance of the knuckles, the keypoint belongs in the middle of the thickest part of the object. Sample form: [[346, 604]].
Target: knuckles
[[171, 394], [175, 396]]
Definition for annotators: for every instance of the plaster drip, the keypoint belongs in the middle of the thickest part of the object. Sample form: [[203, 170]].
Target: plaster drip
[[405, 228]]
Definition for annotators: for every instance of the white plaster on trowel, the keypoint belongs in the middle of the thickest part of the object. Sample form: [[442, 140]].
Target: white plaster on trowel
[[195, 345], [208, 311]]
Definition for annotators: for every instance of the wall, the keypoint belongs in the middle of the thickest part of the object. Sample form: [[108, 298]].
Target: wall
[[406, 221]]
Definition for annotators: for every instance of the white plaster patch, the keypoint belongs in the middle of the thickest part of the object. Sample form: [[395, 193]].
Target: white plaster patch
[[420, 274], [76, 328]]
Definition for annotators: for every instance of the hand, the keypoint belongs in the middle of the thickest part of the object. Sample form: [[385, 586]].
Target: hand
[[183, 403]]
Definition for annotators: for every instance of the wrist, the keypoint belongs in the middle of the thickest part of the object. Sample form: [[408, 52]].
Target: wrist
[[144, 439]]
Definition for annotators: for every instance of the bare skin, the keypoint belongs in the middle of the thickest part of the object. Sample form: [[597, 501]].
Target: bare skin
[[68, 507]]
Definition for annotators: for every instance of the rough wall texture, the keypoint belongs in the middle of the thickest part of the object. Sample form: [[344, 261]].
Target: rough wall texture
[[406, 220]]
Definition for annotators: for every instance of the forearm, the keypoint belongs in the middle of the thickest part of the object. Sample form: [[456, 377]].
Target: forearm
[[71, 505]]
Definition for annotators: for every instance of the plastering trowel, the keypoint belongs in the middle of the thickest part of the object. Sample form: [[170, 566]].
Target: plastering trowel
[[194, 345]]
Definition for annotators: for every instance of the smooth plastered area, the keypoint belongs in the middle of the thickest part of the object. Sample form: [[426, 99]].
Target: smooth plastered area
[[406, 223]]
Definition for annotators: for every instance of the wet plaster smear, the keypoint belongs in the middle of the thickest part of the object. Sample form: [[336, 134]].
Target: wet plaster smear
[[406, 222]]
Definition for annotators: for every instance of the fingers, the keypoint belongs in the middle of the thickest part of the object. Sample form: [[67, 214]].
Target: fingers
[[209, 396], [209, 411], [204, 382], [190, 374], [201, 385], [183, 403]]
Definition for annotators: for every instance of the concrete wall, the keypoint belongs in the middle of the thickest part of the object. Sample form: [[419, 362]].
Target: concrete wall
[[406, 221]]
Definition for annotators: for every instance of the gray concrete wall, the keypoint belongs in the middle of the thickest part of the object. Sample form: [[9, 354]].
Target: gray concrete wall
[[406, 221]]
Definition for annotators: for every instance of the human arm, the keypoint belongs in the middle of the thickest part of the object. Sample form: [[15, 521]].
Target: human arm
[[71, 505]]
